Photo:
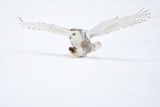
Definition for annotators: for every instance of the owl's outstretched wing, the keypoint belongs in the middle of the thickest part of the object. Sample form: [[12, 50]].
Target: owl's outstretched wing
[[114, 24], [45, 27]]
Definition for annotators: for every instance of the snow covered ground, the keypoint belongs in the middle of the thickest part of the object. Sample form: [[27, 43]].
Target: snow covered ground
[[37, 70]]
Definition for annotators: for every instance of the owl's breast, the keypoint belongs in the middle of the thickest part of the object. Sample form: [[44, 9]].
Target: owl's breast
[[76, 40]]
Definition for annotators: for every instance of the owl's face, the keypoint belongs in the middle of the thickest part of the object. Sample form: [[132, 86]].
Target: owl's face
[[76, 37], [75, 34]]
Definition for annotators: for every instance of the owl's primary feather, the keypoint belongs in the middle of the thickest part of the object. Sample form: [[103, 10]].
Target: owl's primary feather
[[80, 39], [45, 27], [114, 24]]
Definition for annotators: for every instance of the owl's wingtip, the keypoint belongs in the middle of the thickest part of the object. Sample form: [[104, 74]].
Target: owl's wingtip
[[20, 19]]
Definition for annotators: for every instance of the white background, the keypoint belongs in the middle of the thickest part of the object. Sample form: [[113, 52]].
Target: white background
[[37, 70]]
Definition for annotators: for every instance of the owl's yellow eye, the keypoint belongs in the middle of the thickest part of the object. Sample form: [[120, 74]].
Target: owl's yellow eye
[[73, 33]]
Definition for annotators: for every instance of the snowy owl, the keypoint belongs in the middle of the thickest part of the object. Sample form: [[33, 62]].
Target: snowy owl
[[80, 39]]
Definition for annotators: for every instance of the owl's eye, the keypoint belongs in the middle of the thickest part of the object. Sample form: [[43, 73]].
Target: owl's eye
[[73, 33]]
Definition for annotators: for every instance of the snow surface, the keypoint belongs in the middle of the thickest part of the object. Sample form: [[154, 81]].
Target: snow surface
[[37, 70]]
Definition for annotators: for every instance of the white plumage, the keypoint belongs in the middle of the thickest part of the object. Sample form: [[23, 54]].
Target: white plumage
[[80, 39], [45, 27], [114, 24]]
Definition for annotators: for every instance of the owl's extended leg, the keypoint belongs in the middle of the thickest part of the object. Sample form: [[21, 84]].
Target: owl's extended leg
[[77, 52], [95, 46], [73, 51]]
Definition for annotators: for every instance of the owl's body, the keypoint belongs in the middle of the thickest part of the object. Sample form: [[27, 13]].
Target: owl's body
[[81, 45], [80, 39]]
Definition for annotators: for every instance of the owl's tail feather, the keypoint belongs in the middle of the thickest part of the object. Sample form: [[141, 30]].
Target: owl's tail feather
[[95, 46]]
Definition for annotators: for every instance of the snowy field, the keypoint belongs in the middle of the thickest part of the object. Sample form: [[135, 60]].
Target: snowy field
[[37, 70]]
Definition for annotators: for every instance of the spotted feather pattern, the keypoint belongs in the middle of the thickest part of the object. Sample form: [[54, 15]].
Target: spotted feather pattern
[[108, 26]]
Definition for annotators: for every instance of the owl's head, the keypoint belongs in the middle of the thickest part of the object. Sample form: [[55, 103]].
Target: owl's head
[[77, 33]]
